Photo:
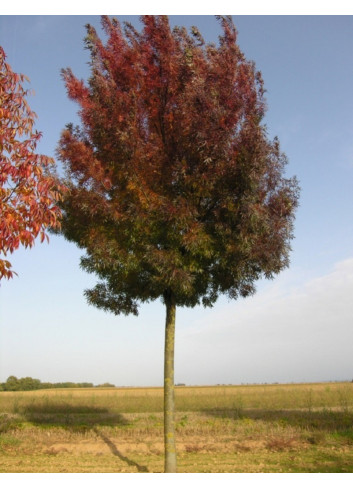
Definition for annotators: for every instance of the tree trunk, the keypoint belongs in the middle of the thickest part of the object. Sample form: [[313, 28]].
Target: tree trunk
[[170, 464]]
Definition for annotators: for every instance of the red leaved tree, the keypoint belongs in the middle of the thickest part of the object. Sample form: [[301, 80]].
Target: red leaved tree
[[28, 194], [175, 191]]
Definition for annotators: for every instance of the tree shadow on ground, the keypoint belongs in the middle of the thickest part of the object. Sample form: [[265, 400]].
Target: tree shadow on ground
[[329, 421], [73, 418], [79, 419], [113, 448]]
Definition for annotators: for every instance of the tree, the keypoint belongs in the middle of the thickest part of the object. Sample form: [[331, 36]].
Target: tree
[[28, 194], [29, 384], [175, 191], [12, 384]]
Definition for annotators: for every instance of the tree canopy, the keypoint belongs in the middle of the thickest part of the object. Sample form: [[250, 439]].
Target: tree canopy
[[28, 194], [174, 185], [29, 384]]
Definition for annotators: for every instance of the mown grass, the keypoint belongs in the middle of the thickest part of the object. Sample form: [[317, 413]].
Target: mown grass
[[267, 428]]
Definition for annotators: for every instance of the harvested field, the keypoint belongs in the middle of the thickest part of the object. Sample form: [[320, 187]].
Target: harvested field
[[255, 428]]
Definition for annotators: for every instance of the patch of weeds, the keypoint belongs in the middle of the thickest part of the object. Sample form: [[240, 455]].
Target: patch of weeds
[[7, 441], [240, 447], [47, 426], [126, 426], [9, 422], [193, 448], [15, 406], [283, 422], [81, 429], [345, 399], [345, 436], [184, 421], [309, 401], [238, 408], [334, 463], [248, 421], [316, 438], [279, 444]]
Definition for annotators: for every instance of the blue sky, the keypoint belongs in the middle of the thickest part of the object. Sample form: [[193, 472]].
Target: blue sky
[[298, 327]]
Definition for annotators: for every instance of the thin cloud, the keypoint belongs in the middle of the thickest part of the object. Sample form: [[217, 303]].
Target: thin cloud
[[301, 333]]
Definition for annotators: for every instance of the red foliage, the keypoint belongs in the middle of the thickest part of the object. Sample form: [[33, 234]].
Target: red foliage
[[173, 182], [28, 194]]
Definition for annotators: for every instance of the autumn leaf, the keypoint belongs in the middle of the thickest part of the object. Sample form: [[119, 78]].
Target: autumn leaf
[[28, 194]]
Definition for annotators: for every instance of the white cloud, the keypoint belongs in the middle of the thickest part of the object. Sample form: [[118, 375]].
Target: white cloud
[[281, 334]]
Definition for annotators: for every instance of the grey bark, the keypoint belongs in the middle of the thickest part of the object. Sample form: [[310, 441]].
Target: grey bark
[[169, 405]]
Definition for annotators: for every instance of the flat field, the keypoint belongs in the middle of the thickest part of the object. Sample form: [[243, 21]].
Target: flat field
[[250, 428]]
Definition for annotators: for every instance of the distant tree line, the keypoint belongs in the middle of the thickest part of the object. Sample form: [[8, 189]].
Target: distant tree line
[[29, 384]]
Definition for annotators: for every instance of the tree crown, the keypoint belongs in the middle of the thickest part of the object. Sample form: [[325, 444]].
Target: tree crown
[[174, 186], [28, 194]]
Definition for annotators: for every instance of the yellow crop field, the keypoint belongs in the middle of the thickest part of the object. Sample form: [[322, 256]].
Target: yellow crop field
[[248, 428]]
